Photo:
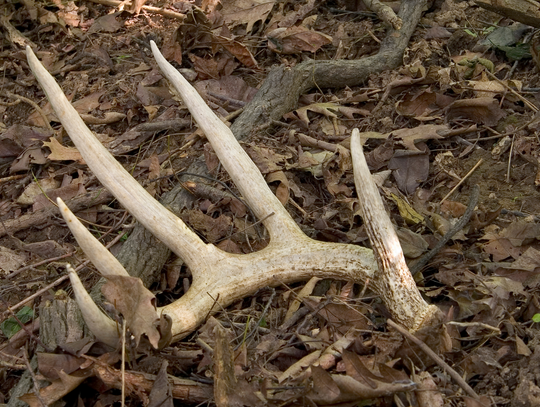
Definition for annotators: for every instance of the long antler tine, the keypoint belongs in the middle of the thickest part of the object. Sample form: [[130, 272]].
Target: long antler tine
[[103, 328], [104, 261], [242, 170], [399, 285], [154, 216]]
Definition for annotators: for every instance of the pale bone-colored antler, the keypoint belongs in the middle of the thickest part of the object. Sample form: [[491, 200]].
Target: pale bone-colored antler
[[220, 277]]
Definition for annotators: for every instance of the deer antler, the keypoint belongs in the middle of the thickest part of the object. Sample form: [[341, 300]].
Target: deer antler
[[223, 277]]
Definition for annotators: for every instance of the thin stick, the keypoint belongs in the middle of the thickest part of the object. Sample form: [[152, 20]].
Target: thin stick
[[34, 105], [34, 378], [459, 380], [123, 371], [46, 261], [529, 104], [496, 330], [38, 293], [509, 167], [473, 201], [58, 281], [462, 180], [263, 314], [25, 328], [11, 178]]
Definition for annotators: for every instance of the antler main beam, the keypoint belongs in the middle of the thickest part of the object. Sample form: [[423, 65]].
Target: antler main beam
[[220, 277]]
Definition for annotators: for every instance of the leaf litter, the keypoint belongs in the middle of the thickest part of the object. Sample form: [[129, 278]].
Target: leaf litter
[[428, 123]]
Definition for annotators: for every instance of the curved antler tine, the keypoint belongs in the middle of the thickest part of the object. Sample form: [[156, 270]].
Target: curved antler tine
[[399, 288], [242, 170], [155, 217], [104, 261], [103, 328]]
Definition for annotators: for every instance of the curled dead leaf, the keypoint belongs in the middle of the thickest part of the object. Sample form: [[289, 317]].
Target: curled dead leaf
[[485, 110]]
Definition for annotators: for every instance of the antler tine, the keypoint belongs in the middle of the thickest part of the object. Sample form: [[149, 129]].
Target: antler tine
[[103, 328], [397, 283], [154, 216], [241, 169], [104, 261]]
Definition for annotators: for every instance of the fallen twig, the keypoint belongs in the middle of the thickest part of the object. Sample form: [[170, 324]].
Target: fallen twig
[[42, 216], [20, 98], [473, 200], [427, 350], [462, 180]]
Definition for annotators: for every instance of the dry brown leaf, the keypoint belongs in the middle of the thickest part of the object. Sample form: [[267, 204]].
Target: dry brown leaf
[[323, 385], [107, 24], [206, 68], [358, 371], [161, 393], [246, 12], [455, 209], [341, 316], [282, 191], [521, 232], [267, 160], [36, 188], [422, 104], [482, 401], [501, 249], [410, 169], [51, 364], [413, 244], [23, 136], [62, 153], [425, 132], [230, 87], [229, 246], [32, 155], [296, 368], [154, 167], [56, 390], [239, 50], [350, 389], [522, 348], [296, 39], [66, 193], [484, 110], [137, 304], [428, 393], [379, 157], [297, 301], [334, 169], [88, 103], [213, 228], [11, 260]]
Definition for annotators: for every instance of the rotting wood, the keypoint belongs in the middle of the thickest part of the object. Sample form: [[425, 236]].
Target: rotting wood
[[182, 389]]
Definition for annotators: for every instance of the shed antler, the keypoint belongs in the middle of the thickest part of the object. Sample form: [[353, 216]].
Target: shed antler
[[223, 277]]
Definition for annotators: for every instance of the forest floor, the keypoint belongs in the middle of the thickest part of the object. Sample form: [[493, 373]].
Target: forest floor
[[461, 110]]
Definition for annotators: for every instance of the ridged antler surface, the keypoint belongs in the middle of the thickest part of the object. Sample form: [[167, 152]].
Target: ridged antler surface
[[220, 278]]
